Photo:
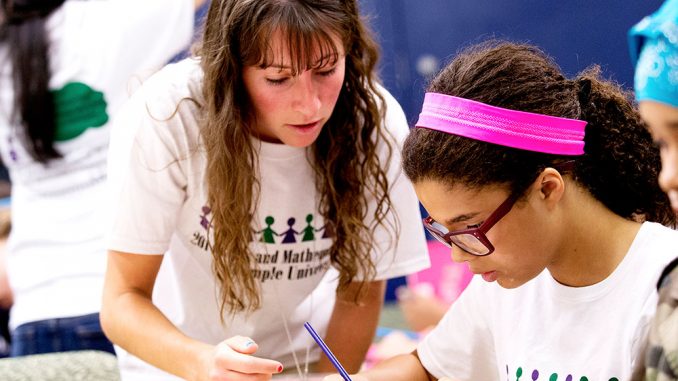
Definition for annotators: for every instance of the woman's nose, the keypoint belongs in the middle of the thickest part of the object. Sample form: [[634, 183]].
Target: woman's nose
[[306, 99]]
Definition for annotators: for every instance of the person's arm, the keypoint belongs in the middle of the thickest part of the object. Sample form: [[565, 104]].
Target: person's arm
[[131, 321], [405, 367], [6, 295], [420, 308], [352, 327]]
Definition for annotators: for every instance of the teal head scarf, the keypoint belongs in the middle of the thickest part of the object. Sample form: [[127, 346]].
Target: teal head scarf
[[654, 51]]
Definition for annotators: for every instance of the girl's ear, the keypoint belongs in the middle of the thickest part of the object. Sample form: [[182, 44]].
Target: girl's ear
[[550, 186]]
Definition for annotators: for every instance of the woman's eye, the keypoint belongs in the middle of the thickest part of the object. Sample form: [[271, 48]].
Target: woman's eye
[[328, 73], [276, 81], [476, 226]]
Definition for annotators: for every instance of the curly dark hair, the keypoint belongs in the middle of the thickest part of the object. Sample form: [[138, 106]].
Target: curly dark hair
[[620, 164]]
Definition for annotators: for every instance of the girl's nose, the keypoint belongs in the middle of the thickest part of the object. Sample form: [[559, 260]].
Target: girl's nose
[[459, 255], [668, 177]]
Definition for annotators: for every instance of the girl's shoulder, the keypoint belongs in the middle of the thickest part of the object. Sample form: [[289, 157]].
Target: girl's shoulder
[[660, 233], [654, 245]]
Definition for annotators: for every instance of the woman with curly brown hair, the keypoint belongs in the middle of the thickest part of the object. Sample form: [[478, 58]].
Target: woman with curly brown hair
[[546, 187], [267, 169]]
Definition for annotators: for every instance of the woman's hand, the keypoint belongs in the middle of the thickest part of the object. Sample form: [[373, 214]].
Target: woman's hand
[[232, 360]]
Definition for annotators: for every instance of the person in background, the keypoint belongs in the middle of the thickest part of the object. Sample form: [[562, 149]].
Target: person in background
[[65, 70], [6, 297], [539, 183], [259, 188], [654, 50]]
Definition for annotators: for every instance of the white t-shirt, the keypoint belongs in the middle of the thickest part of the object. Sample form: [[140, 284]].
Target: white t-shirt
[[56, 252], [544, 330], [161, 207]]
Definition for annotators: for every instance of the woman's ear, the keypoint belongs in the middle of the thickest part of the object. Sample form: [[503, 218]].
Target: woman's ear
[[550, 186]]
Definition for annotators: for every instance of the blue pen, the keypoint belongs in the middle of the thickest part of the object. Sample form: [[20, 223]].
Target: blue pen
[[327, 351]]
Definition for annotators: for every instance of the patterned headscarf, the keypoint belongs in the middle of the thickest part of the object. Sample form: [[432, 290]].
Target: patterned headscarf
[[654, 51]]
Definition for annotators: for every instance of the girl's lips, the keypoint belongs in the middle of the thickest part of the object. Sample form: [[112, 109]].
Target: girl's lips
[[490, 276]]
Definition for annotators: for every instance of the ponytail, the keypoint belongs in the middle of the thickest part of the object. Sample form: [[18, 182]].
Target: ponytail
[[26, 38], [621, 164]]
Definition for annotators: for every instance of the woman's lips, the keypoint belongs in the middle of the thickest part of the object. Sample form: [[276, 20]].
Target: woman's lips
[[308, 127]]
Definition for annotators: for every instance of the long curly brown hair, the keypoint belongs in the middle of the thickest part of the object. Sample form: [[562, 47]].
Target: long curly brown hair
[[347, 168], [620, 164]]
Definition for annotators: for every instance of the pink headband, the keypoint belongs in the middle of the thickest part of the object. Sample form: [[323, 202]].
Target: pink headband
[[516, 129]]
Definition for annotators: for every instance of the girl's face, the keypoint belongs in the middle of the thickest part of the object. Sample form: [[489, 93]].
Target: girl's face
[[520, 252], [293, 109], [662, 121]]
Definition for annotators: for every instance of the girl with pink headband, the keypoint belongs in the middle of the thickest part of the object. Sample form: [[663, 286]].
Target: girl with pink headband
[[546, 188]]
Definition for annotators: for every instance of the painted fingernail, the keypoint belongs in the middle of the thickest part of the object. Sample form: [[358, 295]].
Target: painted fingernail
[[280, 368], [249, 343]]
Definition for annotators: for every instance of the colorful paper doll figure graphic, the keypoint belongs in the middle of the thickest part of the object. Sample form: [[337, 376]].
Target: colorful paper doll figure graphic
[[268, 233], [204, 221], [309, 230], [290, 234]]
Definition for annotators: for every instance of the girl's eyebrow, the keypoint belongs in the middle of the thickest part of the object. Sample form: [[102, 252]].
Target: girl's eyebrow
[[460, 218], [673, 124]]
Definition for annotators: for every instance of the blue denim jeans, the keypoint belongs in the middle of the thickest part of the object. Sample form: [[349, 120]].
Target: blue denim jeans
[[60, 335]]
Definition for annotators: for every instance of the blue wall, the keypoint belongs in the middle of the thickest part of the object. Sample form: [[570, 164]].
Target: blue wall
[[577, 33]]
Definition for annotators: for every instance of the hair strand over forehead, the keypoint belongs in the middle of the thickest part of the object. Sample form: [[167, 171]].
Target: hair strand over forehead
[[307, 36]]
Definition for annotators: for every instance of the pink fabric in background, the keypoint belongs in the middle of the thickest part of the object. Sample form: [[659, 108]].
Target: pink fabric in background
[[445, 278]]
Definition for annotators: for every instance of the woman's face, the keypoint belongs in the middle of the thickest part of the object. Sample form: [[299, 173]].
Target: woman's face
[[520, 252], [293, 109], [662, 121]]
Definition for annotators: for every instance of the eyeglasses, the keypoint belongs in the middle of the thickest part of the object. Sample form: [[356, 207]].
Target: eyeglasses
[[472, 240]]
